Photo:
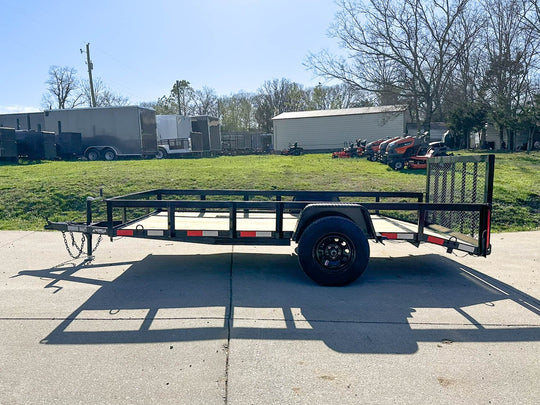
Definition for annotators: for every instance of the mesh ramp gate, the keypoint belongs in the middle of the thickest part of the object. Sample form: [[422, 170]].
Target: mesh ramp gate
[[461, 180]]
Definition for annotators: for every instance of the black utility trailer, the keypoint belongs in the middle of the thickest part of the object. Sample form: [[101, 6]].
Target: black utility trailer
[[331, 228]]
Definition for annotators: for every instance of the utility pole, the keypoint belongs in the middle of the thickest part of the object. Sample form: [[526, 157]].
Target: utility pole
[[178, 96], [90, 67]]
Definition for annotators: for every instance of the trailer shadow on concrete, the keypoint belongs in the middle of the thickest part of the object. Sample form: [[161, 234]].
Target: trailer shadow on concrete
[[398, 303]]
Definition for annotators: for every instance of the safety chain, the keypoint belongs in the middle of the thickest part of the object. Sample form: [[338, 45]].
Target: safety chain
[[78, 250]]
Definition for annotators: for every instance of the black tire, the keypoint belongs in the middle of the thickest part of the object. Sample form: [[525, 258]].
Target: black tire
[[109, 155], [161, 154], [333, 251], [92, 155], [398, 165]]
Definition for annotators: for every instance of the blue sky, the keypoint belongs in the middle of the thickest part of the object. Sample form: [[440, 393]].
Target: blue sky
[[140, 48]]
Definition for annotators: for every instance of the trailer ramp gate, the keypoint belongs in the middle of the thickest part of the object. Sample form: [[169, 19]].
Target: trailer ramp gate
[[456, 213], [462, 180]]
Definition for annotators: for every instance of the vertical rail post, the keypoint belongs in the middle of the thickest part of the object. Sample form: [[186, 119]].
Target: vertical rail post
[[232, 219], [279, 220], [171, 219], [246, 211], [110, 221], [202, 211]]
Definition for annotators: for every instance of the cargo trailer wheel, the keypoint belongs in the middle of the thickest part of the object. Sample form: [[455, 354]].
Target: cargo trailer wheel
[[109, 155], [92, 155], [161, 154], [333, 251]]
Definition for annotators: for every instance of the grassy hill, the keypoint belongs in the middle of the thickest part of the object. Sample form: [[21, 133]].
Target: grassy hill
[[31, 191]]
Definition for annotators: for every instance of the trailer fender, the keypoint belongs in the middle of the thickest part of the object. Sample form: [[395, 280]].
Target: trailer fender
[[356, 213]]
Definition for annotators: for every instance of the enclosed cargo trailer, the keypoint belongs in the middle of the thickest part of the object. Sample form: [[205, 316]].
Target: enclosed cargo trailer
[[8, 144], [173, 132], [108, 132], [332, 228], [36, 145]]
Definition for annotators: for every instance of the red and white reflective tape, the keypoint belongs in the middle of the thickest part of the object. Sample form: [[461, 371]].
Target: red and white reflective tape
[[435, 240], [398, 236], [255, 234], [124, 232], [203, 233]]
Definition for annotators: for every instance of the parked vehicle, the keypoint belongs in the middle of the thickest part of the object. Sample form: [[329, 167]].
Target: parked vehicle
[[355, 150], [36, 145], [381, 153], [294, 150], [332, 236], [435, 149], [399, 151], [108, 132], [372, 149], [173, 133], [8, 144]]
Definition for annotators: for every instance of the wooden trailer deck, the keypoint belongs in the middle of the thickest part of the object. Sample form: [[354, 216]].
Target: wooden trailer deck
[[266, 222]]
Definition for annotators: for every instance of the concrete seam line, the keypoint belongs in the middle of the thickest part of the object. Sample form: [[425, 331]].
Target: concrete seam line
[[16, 240], [229, 320]]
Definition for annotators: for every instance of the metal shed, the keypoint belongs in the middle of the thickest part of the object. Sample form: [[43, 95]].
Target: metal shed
[[324, 130]]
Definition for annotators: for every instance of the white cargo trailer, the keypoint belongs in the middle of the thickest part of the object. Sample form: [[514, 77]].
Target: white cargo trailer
[[108, 132], [173, 132]]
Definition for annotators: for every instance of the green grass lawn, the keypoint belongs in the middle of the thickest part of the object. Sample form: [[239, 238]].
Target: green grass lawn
[[29, 192]]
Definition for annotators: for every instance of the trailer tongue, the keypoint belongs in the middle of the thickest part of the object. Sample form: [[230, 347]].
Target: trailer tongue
[[331, 228]]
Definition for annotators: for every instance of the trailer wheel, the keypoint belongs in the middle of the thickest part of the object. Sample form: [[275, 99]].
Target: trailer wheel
[[333, 251], [161, 154], [92, 155], [109, 154]]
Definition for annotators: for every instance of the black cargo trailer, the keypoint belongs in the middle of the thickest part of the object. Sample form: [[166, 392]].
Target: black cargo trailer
[[8, 144], [332, 228], [69, 144], [36, 145]]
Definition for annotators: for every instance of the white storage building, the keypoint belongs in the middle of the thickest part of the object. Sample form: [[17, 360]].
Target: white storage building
[[324, 130]]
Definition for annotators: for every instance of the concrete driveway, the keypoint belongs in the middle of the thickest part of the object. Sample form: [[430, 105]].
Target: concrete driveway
[[176, 323]]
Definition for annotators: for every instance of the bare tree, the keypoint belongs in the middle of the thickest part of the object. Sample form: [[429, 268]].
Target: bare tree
[[205, 102], [407, 49], [62, 90], [335, 97], [277, 96], [532, 16], [103, 95], [237, 112], [513, 54]]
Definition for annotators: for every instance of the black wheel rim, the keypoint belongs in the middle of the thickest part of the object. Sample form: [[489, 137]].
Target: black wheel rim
[[334, 252]]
